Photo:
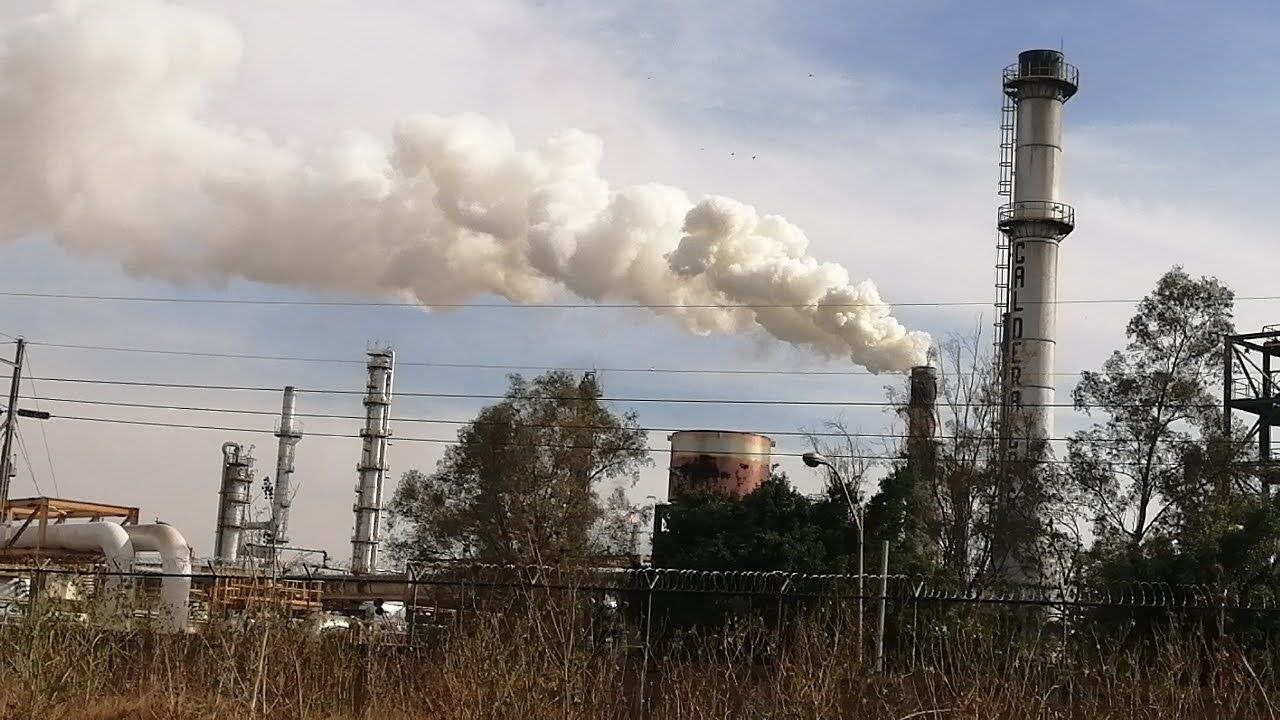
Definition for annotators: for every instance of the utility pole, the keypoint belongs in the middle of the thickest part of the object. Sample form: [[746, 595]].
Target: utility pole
[[10, 425]]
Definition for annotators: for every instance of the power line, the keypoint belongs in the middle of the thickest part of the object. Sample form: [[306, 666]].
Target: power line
[[482, 396], [471, 366], [447, 441], [539, 426], [31, 471], [555, 306], [44, 436]]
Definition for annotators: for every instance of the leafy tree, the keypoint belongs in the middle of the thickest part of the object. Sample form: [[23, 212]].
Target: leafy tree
[[900, 514], [1156, 398], [621, 524], [519, 486], [773, 528]]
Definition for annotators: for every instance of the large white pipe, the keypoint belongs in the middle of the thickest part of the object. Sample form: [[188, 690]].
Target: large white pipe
[[281, 498], [373, 463], [175, 564], [107, 538]]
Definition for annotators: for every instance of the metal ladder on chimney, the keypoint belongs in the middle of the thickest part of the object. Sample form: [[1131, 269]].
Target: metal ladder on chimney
[[1008, 138]]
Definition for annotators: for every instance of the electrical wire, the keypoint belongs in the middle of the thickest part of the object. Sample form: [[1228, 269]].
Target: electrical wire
[[473, 366], [482, 396], [540, 426], [556, 306], [31, 471], [447, 441], [44, 436]]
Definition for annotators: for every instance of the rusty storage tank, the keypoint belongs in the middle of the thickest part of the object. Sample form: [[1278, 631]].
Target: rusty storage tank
[[733, 463]]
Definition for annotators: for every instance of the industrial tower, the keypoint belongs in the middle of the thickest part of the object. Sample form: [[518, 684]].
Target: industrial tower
[[373, 462], [1032, 225]]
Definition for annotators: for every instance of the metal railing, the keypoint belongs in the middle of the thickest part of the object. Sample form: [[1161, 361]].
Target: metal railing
[[1058, 70], [1036, 211]]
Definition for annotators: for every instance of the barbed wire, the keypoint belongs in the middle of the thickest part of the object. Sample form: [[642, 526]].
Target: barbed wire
[[783, 585]]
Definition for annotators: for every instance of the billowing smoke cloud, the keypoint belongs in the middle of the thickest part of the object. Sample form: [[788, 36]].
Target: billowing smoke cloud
[[105, 145]]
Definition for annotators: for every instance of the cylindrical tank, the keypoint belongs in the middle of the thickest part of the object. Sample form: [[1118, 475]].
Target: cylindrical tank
[[732, 463]]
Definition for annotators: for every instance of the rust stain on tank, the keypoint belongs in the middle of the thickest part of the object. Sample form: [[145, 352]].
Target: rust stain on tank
[[732, 463]]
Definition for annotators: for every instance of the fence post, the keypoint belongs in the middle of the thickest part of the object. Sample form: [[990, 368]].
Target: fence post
[[884, 598], [35, 591], [642, 697], [360, 695], [915, 617]]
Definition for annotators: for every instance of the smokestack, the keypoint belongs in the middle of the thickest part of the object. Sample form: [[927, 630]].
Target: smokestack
[[1034, 224], [289, 434], [373, 462], [922, 423], [233, 503]]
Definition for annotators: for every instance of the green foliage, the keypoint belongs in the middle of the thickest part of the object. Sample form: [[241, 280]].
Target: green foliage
[[901, 514], [1156, 395], [520, 484], [773, 528]]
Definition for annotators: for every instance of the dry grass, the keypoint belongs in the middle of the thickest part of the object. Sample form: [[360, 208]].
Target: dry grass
[[540, 663]]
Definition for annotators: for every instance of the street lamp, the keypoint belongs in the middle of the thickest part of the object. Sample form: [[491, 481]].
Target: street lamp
[[816, 459]]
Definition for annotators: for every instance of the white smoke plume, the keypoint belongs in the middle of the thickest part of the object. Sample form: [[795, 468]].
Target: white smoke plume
[[105, 145]]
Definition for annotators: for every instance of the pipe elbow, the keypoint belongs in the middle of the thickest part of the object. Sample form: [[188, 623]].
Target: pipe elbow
[[174, 550]]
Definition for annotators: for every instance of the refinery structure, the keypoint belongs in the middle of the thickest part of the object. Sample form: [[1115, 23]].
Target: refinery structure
[[245, 569]]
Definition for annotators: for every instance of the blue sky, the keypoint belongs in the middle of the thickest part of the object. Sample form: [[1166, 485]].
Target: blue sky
[[874, 128]]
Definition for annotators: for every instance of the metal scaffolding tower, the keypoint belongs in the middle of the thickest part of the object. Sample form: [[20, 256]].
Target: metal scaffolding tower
[[1251, 384]]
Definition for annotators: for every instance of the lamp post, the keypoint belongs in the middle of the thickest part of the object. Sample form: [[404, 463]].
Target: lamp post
[[813, 460]]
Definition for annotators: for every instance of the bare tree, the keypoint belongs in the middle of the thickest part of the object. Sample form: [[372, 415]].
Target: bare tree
[[968, 390], [844, 448]]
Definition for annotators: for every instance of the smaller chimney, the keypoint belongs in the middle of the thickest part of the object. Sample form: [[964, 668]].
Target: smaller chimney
[[922, 421]]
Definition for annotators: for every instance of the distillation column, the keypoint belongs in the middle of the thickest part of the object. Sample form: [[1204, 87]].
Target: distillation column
[[233, 503], [373, 463], [1035, 222]]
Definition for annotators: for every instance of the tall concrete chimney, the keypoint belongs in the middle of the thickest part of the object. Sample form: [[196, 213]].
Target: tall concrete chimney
[[1033, 225]]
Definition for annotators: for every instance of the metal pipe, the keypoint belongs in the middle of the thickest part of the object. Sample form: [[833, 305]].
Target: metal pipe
[[175, 564], [107, 538], [373, 462], [282, 496], [324, 554]]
